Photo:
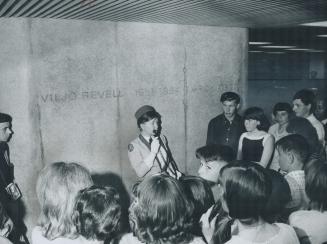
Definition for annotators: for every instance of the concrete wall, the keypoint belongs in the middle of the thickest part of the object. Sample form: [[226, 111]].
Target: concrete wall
[[73, 87]]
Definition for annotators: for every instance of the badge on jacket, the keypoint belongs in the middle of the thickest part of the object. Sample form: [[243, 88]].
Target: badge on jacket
[[130, 147]]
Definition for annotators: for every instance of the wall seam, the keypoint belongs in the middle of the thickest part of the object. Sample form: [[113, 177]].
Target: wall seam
[[185, 106]]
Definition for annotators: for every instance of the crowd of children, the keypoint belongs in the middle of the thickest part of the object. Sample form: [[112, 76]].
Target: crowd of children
[[270, 188]]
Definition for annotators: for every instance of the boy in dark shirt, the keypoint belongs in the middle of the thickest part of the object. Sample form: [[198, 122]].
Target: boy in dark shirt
[[226, 128]]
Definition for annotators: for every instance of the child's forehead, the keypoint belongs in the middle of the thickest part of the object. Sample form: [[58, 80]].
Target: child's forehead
[[281, 112], [5, 124], [213, 162]]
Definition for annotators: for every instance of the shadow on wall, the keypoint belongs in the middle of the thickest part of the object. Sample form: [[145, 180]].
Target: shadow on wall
[[114, 180]]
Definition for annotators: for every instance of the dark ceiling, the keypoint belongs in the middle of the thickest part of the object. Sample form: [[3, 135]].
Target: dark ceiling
[[269, 20]]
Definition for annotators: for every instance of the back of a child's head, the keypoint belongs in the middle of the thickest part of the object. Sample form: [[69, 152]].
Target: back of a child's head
[[247, 188], [295, 144], [161, 211], [214, 152], [280, 196], [303, 127], [97, 213], [316, 184], [199, 192], [57, 186]]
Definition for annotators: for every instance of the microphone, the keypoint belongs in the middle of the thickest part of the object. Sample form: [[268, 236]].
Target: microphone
[[156, 133]]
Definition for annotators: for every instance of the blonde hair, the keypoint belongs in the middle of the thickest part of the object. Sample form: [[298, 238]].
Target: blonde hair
[[57, 186]]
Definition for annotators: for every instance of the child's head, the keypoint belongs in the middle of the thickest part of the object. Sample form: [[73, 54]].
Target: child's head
[[316, 184], [282, 112], [57, 186], [280, 196], [230, 96], [303, 127], [212, 158], [304, 103], [246, 189], [255, 118], [161, 211], [6, 131], [230, 102], [293, 152], [199, 192], [97, 213], [148, 119]]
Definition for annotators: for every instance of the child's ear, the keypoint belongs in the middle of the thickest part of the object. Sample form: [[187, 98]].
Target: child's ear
[[141, 127], [290, 157]]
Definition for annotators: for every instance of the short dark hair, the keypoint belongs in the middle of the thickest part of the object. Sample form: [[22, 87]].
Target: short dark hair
[[199, 192], [316, 183], [5, 118], [230, 96], [214, 152], [280, 196], [303, 127], [258, 114], [147, 117], [295, 144], [247, 188], [162, 211], [97, 213], [282, 107], [307, 97]]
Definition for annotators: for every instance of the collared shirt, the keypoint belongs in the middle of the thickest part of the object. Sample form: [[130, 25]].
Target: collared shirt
[[223, 132], [296, 182], [138, 152], [319, 128]]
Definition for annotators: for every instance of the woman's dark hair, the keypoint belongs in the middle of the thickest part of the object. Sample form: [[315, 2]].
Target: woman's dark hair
[[247, 188], [258, 114], [161, 211], [280, 196], [97, 213], [147, 117], [316, 184], [199, 192], [282, 107]]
